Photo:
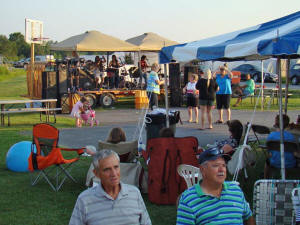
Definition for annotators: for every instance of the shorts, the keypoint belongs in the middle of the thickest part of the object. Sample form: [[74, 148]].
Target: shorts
[[76, 114], [223, 101], [192, 101], [206, 102], [246, 93]]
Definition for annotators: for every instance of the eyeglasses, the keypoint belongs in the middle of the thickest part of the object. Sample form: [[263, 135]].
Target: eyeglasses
[[221, 69]]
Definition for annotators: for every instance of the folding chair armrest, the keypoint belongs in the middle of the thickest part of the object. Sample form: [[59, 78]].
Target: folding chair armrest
[[79, 151]]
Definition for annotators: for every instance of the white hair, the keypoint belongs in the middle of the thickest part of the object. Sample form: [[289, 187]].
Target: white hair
[[102, 155]]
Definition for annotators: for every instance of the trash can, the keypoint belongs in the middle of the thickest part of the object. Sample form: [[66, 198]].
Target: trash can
[[155, 122]]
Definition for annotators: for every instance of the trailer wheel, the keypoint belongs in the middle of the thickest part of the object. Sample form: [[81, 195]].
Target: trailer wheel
[[107, 100], [91, 99]]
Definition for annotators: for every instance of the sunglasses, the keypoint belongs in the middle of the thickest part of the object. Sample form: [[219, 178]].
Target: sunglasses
[[215, 152], [221, 69]]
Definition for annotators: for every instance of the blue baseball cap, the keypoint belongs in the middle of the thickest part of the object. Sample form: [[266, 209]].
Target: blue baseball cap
[[213, 154]]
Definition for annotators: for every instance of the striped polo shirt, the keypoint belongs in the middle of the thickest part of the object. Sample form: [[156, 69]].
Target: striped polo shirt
[[95, 207], [196, 207]]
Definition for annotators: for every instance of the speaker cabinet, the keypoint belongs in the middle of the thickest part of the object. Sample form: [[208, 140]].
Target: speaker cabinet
[[176, 97], [62, 81], [49, 85]]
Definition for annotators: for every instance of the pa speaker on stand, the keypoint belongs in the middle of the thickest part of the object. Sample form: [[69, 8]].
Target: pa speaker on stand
[[175, 85]]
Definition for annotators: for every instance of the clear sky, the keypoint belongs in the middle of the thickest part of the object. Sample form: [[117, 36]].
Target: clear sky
[[178, 20]]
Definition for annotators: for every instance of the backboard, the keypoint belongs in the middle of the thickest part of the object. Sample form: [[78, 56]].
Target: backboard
[[33, 31]]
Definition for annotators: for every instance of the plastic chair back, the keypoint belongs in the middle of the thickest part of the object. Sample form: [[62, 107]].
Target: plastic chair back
[[191, 174]]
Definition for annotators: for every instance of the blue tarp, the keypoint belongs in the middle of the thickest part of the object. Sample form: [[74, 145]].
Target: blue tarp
[[280, 37]]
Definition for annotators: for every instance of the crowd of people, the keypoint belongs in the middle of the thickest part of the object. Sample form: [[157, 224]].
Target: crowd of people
[[203, 90], [123, 204]]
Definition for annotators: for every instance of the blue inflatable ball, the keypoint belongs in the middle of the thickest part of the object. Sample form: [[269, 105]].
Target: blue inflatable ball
[[17, 156]]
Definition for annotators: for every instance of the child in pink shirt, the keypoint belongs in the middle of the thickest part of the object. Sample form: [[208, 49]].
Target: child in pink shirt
[[77, 109]]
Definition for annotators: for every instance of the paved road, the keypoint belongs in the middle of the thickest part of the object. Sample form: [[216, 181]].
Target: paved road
[[128, 120]]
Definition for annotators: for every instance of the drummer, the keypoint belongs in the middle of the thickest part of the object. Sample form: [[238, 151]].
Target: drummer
[[114, 79]]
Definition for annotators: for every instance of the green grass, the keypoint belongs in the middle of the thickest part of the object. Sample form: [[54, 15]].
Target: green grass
[[21, 204]]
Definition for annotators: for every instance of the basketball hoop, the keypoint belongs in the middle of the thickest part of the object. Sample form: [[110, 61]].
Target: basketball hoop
[[34, 31], [40, 40]]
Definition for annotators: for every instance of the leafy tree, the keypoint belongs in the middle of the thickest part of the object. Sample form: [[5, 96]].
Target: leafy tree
[[7, 48], [23, 48]]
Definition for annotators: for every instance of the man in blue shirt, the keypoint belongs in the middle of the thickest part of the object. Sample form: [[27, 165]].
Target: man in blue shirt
[[223, 78], [153, 83]]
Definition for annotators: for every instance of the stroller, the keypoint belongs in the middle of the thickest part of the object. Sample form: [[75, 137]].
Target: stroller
[[89, 116]]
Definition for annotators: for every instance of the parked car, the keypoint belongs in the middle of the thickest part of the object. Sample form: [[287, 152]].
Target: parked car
[[21, 63], [295, 74], [255, 73]]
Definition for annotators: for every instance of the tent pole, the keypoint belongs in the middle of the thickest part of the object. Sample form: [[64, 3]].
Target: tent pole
[[107, 56], [166, 96], [281, 121], [262, 85], [287, 81]]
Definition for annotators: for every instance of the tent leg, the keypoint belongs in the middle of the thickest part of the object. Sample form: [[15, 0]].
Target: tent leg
[[166, 96], [280, 120]]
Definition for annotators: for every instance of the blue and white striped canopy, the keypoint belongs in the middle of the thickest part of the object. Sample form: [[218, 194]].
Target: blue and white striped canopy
[[280, 37]]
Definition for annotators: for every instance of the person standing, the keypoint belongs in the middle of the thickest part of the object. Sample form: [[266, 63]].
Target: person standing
[[99, 70], [207, 93], [213, 200], [110, 202], [192, 97], [153, 83], [77, 110], [274, 157], [144, 65], [223, 77], [114, 65]]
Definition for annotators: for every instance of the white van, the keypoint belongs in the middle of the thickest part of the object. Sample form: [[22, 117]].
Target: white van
[[44, 58]]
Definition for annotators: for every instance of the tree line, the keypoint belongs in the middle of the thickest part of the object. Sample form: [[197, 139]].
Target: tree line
[[14, 47]]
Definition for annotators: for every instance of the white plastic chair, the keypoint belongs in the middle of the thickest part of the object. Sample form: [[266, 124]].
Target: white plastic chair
[[191, 174]]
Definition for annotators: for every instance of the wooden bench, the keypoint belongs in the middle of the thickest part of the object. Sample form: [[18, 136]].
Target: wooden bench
[[45, 109]]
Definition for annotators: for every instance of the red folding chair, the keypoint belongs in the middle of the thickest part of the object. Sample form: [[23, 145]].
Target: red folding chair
[[48, 157]]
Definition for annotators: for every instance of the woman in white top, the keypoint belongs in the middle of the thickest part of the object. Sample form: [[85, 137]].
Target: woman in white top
[[192, 97]]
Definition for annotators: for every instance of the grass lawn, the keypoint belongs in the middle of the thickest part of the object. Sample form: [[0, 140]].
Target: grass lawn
[[21, 204]]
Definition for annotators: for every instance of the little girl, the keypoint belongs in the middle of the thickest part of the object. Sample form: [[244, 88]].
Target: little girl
[[78, 109], [192, 97], [89, 115]]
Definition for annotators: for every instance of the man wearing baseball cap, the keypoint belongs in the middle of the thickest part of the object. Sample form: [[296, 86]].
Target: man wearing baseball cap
[[213, 200]]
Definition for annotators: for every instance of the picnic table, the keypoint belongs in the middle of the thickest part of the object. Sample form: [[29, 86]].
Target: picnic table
[[271, 93], [8, 107]]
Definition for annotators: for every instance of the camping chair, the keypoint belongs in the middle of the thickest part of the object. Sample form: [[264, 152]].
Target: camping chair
[[130, 168], [262, 131], [272, 202], [191, 174], [296, 204], [289, 146], [47, 154]]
